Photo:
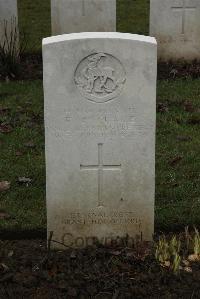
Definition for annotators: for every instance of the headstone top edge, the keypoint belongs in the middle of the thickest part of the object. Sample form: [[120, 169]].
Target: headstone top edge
[[98, 35]]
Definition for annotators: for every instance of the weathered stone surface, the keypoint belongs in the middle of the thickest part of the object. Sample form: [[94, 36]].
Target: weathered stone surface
[[100, 96], [8, 18], [176, 26], [69, 16]]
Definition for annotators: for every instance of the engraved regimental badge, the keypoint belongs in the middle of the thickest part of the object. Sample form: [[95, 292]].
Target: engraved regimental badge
[[100, 77]]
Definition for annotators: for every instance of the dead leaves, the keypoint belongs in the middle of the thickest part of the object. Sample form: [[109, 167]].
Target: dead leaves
[[4, 215], [194, 119], [19, 153], [183, 138], [4, 186], [178, 70], [4, 271], [194, 257], [192, 110], [162, 107], [30, 144], [24, 180], [3, 268], [4, 110], [189, 107], [115, 252], [175, 160], [5, 128]]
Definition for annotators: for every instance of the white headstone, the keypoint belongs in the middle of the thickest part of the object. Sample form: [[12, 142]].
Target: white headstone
[[176, 26], [100, 99], [8, 18], [69, 16]]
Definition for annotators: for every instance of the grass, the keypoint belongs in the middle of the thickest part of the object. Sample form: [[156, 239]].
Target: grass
[[25, 204], [133, 16], [35, 22], [178, 162], [34, 19], [177, 156], [177, 186]]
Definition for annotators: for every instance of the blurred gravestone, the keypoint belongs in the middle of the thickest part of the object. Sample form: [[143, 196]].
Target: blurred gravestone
[[68, 16], [100, 98], [8, 22], [176, 26]]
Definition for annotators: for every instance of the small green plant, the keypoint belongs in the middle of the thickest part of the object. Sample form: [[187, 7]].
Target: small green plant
[[10, 49], [168, 253], [193, 244], [176, 263], [162, 250], [196, 242]]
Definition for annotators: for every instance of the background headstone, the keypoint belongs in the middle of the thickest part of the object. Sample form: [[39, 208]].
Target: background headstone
[[8, 16], [100, 99], [69, 16], [176, 26]]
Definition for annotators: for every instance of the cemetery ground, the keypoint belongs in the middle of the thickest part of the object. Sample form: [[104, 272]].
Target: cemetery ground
[[177, 155], [27, 268]]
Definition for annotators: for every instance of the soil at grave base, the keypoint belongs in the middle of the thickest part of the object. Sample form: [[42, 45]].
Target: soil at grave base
[[26, 271], [31, 69]]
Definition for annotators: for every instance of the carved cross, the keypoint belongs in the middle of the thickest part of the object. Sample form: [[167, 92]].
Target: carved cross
[[183, 8], [83, 8], [100, 167]]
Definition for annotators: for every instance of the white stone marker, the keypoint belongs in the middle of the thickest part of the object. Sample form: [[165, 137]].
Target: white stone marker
[[69, 16], [8, 15], [176, 26], [100, 99]]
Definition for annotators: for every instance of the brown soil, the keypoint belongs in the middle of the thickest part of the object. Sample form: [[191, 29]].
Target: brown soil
[[178, 70], [27, 270], [31, 68]]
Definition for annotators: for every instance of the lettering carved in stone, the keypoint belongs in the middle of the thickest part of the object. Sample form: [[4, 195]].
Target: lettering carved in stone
[[100, 77]]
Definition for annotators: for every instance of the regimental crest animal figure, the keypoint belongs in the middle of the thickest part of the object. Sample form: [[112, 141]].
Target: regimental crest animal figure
[[100, 77]]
